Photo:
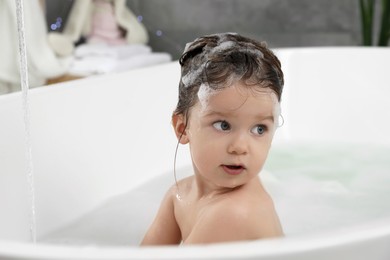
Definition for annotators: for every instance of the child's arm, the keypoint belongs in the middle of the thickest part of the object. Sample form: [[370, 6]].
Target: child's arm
[[234, 222], [164, 229]]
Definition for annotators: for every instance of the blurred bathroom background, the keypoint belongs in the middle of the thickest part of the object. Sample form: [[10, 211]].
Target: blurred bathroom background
[[165, 26]]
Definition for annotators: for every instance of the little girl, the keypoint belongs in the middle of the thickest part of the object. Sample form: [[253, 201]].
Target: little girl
[[228, 110]]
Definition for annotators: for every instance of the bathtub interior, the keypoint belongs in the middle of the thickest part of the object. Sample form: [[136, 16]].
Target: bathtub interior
[[331, 191], [101, 142]]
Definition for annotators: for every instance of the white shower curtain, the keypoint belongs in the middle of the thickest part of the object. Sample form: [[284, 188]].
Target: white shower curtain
[[42, 62]]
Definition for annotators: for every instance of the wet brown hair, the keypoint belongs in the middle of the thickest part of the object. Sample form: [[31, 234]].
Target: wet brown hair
[[219, 60]]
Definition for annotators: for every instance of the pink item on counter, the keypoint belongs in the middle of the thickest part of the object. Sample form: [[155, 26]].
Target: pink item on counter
[[104, 27]]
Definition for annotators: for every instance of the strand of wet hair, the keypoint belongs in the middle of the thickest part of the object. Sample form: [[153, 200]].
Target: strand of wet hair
[[174, 160]]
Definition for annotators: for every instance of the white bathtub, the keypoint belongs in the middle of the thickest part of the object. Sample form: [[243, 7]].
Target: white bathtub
[[97, 138]]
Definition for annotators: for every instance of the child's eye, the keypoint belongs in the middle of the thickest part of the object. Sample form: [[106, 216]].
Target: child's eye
[[222, 125], [259, 129]]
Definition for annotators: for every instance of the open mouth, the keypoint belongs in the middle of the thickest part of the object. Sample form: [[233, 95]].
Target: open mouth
[[233, 169]]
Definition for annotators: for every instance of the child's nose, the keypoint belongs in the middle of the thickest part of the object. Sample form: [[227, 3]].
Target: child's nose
[[238, 144]]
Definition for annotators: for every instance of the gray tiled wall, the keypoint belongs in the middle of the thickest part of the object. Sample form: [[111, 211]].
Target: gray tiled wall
[[282, 23]]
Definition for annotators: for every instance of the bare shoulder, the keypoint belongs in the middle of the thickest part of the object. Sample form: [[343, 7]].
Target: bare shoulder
[[255, 214], [164, 229], [238, 216]]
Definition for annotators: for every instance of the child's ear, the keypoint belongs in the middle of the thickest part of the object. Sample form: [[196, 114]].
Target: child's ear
[[179, 125]]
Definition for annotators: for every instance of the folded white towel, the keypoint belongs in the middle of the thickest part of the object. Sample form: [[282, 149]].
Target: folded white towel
[[111, 51], [104, 64], [143, 60]]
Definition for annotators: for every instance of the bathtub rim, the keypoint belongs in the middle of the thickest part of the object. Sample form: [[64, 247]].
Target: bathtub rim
[[292, 245], [277, 50]]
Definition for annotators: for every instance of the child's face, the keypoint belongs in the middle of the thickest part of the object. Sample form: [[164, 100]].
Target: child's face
[[230, 135]]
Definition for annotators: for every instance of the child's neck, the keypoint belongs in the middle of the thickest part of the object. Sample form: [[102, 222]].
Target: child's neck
[[204, 189]]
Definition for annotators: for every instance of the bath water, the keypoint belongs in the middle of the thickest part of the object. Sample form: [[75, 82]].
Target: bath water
[[324, 187], [26, 112], [315, 187]]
